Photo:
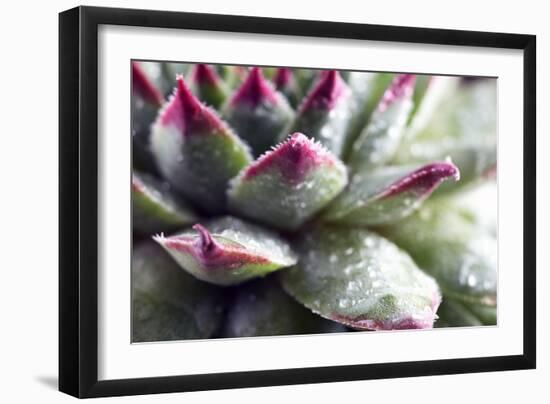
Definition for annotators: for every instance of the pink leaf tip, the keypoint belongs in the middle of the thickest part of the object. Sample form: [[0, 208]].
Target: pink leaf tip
[[185, 111], [401, 87], [424, 180], [137, 184], [144, 87], [206, 75], [254, 90], [207, 245], [295, 157], [328, 92], [417, 321], [283, 77], [190, 105]]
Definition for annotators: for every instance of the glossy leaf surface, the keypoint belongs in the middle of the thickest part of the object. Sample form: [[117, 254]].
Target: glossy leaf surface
[[360, 279]]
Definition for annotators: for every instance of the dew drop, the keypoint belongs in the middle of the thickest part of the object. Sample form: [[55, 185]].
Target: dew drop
[[368, 242], [472, 280], [343, 303], [376, 284]]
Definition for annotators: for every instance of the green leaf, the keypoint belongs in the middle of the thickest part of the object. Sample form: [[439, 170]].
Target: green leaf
[[453, 313], [387, 194], [163, 74], [364, 86], [258, 113], [380, 83], [146, 101], [379, 140], [196, 151], [486, 314], [466, 112], [155, 209], [228, 251], [445, 241], [480, 202], [263, 308], [326, 112], [421, 88], [464, 129], [232, 76], [368, 89], [362, 280], [286, 83], [208, 86], [167, 303], [305, 78], [429, 93], [288, 185]]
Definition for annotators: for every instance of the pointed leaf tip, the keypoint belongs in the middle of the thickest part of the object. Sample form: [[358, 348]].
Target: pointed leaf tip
[[146, 101], [258, 113], [388, 194], [227, 251], [289, 184], [326, 112], [283, 77], [205, 74], [195, 150], [379, 140], [255, 90], [327, 93], [145, 87], [208, 246], [401, 87], [424, 180], [286, 82], [190, 105], [208, 86], [188, 114], [294, 158]]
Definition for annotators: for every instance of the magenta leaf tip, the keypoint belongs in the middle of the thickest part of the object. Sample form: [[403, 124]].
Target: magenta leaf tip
[[207, 245], [283, 77], [294, 157], [425, 179], [255, 89], [185, 111], [327, 92], [205, 74], [143, 86], [401, 87]]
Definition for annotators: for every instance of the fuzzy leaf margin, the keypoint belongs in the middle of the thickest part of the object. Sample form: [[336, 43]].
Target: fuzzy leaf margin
[[388, 194], [155, 209], [362, 280], [196, 151], [287, 186], [167, 303], [228, 251], [446, 241]]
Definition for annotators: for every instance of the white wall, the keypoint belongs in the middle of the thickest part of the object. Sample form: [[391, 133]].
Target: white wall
[[28, 162]]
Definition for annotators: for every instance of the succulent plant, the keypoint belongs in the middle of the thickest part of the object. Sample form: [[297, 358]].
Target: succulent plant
[[270, 201]]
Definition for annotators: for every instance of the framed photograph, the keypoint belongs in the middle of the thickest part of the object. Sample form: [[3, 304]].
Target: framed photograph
[[252, 201]]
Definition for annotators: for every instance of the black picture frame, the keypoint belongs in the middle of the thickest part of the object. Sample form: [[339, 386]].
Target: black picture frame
[[78, 200]]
